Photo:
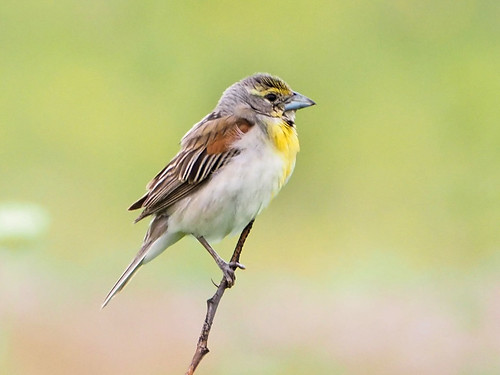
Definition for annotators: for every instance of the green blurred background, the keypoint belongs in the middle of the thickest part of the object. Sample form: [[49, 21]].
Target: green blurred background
[[381, 256]]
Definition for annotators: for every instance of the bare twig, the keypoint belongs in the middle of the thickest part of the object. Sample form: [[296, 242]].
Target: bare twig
[[213, 303]]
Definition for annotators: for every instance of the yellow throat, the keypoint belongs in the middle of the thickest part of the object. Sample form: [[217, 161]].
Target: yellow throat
[[284, 138]]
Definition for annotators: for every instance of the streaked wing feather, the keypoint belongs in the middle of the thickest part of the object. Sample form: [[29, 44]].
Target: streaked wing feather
[[205, 149]]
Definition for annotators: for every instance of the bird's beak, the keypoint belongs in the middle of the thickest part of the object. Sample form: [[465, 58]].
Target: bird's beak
[[298, 101]]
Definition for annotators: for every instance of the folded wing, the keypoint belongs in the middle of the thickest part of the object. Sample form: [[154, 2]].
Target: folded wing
[[206, 148]]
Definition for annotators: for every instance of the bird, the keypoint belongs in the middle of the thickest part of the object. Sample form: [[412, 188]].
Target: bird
[[229, 167]]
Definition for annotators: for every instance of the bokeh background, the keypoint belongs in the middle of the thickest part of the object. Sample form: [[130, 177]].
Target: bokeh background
[[381, 256]]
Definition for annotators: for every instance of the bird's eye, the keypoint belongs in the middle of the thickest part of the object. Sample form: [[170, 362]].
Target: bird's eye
[[271, 97]]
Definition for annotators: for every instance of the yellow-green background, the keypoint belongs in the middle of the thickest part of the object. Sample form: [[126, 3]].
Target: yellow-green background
[[381, 256]]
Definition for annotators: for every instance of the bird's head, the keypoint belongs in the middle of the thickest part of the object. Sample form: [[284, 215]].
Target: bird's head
[[265, 95]]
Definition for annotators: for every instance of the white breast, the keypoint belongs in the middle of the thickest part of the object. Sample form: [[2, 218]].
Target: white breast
[[235, 194]]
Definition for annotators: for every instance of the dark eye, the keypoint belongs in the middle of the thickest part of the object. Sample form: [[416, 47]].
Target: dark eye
[[271, 97]]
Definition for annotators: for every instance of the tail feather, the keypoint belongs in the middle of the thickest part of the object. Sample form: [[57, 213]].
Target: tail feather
[[125, 277], [156, 241]]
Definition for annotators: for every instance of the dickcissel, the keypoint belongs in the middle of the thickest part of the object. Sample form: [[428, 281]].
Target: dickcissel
[[231, 164]]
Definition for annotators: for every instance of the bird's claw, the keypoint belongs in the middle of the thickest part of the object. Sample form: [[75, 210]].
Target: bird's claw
[[235, 265], [228, 271]]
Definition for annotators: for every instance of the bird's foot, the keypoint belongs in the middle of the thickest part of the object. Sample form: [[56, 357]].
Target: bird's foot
[[228, 271]]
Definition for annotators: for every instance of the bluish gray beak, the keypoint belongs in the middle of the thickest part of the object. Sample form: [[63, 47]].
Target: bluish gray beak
[[298, 101]]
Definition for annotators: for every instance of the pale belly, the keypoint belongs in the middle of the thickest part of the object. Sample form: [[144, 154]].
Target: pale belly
[[233, 197]]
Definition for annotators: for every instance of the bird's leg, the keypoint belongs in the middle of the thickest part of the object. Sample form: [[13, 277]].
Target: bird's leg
[[226, 268]]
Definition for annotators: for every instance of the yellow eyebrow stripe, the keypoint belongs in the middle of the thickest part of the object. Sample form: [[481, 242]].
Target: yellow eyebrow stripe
[[274, 90]]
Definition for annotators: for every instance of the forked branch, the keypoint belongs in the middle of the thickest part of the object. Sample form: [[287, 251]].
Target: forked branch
[[213, 303]]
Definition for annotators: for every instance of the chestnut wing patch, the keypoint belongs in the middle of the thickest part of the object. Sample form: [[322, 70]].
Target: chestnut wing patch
[[204, 150]]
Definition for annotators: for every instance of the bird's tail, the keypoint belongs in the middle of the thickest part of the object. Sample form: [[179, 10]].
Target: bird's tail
[[125, 277], [157, 239]]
